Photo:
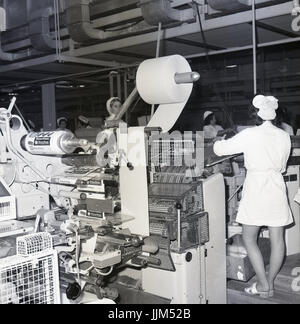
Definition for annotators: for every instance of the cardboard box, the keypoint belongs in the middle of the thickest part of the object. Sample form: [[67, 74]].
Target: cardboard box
[[238, 263]]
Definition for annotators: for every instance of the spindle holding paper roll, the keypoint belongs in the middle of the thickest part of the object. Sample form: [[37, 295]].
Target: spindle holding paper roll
[[168, 82], [190, 77]]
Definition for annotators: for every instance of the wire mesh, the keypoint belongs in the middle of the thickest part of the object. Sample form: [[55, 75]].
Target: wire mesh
[[31, 277], [29, 280], [34, 243]]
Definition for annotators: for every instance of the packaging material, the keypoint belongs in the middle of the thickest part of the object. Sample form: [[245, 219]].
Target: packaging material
[[157, 86], [238, 263]]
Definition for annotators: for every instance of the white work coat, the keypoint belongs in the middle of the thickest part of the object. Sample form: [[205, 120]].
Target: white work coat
[[266, 151], [287, 128]]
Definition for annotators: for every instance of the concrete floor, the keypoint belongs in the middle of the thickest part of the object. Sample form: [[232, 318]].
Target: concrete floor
[[287, 287]]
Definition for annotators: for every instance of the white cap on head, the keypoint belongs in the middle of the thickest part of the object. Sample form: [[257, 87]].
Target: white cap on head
[[267, 106], [207, 114], [109, 104], [83, 119], [59, 120]]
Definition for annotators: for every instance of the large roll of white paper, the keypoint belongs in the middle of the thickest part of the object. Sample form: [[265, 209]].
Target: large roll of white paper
[[157, 85]]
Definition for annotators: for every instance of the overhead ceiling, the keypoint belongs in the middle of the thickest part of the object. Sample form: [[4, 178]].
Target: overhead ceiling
[[222, 33]]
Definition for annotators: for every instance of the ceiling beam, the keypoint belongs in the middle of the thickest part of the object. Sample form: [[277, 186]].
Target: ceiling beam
[[86, 61], [275, 29], [55, 58], [28, 63], [195, 44], [129, 54]]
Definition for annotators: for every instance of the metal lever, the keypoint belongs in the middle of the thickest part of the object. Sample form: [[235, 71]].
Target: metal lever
[[12, 104], [189, 77], [179, 209]]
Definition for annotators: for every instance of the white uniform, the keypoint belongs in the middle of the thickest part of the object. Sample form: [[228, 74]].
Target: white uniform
[[211, 132], [287, 128], [266, 151]]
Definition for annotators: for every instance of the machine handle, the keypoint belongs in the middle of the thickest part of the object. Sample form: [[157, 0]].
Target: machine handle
[[130, 166], [178, 206]]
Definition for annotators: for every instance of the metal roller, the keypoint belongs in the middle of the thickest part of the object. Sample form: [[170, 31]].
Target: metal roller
[[189, 77], [52, 143]]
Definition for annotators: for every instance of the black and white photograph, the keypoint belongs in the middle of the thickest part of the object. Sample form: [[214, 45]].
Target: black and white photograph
[[149, 155]]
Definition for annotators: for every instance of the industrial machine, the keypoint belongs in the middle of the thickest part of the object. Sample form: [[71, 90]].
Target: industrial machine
[[37, 166], [188, 222], [292, 177], [111, 207], [187, 219]]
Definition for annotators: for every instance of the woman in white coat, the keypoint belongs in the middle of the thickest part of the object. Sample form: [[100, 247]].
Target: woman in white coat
[[266, 151]]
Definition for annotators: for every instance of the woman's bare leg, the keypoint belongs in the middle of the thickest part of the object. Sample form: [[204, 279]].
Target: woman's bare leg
[[278, 253], [250, 236]]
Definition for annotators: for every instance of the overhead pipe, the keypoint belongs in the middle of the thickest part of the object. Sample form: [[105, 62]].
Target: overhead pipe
[[79, 22], [6, 56], [38, 29], [39, 25], [80, 26], [81, 29], [161, 11]]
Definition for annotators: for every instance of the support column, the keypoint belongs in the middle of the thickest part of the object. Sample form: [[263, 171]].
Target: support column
[[49, 106]]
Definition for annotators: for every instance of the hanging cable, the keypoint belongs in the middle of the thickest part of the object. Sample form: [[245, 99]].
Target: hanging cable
[[254, 46], [157, 56], [57, 28], [104, 274], [225, 108], [58, 25]]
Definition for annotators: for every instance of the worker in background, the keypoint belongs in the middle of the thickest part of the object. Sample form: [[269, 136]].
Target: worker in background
[[62, 124], [113, 106], [211, 129], [83, 122], [266, 151], [281, 122]]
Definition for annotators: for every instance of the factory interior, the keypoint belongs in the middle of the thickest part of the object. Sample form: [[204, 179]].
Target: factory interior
[[111, 188]]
